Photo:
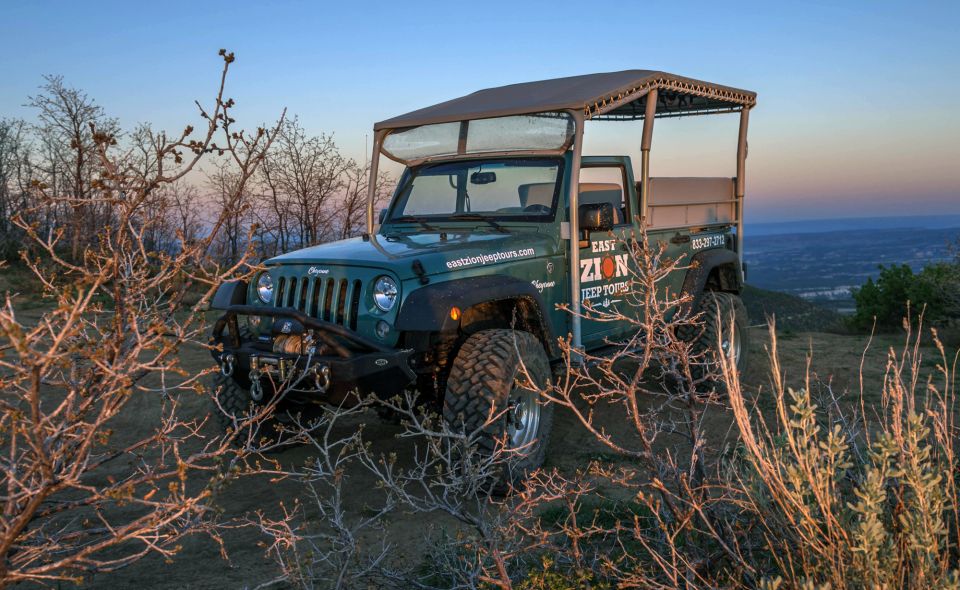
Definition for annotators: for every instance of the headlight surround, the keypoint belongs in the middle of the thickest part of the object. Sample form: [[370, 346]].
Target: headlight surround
[[265, 288], [385, 293]]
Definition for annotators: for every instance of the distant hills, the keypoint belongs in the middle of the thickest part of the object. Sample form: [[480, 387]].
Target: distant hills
[[791, 313], [807, 226]]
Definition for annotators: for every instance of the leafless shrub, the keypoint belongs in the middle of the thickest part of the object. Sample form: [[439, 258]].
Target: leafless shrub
[[310, 192], [656, 362], [68, 120], [15, 175], [119, 320], [351, 210], [305, 191], [341, 546], [671, 530]]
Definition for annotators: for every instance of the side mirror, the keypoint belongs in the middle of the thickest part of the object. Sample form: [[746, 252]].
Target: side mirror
[[596, 217], [383, 215]]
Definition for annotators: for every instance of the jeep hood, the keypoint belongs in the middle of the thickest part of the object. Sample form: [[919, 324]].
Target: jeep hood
[[398, 252]]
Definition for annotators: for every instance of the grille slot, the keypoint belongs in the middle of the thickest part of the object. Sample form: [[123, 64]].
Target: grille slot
[[355, 304], [292, 292], [329, 299], [278, 300], [302, 305], [316, 288], [341, 300]]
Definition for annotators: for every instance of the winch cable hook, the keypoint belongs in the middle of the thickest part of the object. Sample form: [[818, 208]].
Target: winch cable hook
[[256, 390], [227, 364]]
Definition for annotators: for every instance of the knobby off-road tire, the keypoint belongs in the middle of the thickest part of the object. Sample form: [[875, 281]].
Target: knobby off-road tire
[[484, 381], [716, 308]]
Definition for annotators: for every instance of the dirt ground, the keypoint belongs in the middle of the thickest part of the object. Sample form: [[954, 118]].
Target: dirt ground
[[836, 360]]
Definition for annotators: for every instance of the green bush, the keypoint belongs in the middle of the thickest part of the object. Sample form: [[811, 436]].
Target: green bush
[[934, 290]]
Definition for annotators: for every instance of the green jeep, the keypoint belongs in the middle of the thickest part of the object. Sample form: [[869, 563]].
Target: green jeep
[[461, 276]]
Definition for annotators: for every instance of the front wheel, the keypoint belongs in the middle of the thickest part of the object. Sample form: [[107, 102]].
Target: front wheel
[[488, 393], [235, 408]]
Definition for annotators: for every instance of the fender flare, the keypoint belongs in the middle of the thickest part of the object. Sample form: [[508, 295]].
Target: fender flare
[[701, 265], [229, 293], [427, 309]]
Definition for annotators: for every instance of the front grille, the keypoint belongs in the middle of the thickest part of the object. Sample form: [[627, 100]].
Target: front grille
[[328, 299]]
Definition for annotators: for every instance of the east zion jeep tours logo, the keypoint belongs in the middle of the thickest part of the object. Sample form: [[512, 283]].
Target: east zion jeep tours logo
[[603, 268], [607, 267]]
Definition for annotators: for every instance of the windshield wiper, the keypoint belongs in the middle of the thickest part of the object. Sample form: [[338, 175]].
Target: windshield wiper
[[423, 222], [479, 217]]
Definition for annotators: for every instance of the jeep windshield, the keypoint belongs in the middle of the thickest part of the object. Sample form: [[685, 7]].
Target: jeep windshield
[[490, 190]]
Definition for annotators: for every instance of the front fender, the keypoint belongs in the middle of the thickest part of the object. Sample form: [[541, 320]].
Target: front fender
[[428, 308], [229, 293]]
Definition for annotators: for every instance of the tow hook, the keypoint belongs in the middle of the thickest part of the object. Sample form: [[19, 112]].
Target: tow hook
[[321, 376], [256, 389], [227, 364]]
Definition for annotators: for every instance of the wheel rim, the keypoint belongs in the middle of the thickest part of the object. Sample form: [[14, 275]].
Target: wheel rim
[[727, 342], [523, 417]]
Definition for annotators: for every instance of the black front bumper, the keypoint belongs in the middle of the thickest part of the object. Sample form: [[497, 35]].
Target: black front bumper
[[340, 362]]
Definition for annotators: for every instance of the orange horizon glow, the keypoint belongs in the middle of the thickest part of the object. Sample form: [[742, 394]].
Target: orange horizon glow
[[856, 107]]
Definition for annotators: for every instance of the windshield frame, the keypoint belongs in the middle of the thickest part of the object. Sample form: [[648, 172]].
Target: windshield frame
[[410, 173]]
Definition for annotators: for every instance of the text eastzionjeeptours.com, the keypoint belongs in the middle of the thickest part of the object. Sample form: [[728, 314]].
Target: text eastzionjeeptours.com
[[490, 258]]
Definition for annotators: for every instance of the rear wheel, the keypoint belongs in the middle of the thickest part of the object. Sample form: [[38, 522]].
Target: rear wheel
[[716, 309], [487, 392]]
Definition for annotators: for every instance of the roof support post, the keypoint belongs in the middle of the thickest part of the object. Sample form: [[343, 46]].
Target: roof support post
[[574, 200], [372, 182], [741, 178], [645, 142]]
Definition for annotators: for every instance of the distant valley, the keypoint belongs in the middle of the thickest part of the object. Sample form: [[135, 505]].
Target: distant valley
[[821, 266]]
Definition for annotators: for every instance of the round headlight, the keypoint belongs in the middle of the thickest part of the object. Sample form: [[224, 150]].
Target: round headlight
[[385, 293], [265, 287]]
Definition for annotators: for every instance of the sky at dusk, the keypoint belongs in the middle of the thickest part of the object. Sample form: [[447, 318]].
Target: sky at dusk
[[857, 110]]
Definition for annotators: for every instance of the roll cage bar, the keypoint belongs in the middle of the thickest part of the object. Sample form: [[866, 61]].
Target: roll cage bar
[[615, 96]]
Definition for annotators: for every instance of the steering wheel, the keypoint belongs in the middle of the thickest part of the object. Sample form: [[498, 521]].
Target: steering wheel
[[537, 208]]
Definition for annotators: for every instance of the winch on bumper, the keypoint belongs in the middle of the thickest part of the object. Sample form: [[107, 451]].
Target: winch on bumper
[[309, 359]]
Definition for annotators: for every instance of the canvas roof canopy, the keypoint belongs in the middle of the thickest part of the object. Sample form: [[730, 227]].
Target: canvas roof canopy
[[610, 95], [546, 116]]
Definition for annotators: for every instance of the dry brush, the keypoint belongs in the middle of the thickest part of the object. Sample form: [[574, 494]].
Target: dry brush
[[119, 312]]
